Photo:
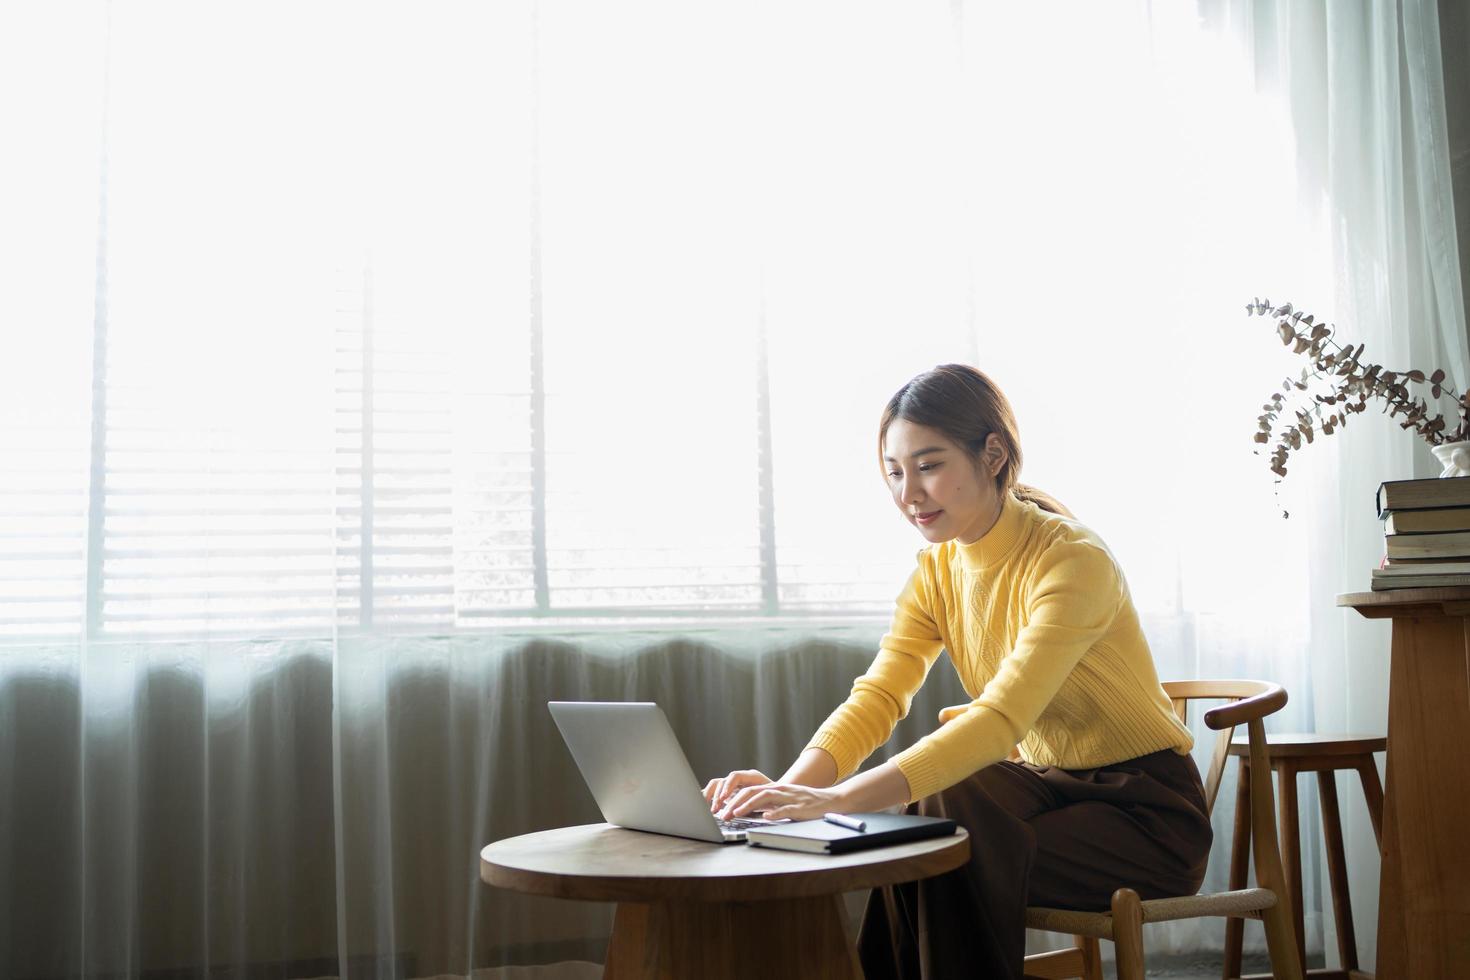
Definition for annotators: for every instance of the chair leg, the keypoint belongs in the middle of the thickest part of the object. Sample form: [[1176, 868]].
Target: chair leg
[[1281, 943], [1128, 934], [1091, 957], [1291, 853], [1240, 855], [1280, 939], [1342, 906]]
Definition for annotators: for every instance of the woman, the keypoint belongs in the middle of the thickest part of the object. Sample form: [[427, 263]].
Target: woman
[[1037, 619]]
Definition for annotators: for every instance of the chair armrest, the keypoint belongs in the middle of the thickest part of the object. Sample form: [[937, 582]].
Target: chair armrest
[[1272, 698]]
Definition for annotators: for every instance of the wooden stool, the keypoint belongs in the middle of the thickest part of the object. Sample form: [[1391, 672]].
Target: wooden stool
[[1291, 754]]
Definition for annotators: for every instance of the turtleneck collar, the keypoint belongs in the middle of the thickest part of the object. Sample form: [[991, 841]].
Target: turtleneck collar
[[997, 542]]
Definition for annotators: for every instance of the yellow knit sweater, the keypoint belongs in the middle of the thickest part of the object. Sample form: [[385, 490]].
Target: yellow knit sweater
[[1038, 621]]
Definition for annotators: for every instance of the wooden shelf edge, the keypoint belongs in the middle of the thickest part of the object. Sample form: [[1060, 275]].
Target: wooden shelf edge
[[1443, 601]]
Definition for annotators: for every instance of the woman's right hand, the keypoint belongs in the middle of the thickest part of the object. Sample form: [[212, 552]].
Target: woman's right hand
[[718, 791]]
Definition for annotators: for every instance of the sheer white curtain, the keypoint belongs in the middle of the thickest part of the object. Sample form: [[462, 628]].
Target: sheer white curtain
[[374, 373], [1365, 91]]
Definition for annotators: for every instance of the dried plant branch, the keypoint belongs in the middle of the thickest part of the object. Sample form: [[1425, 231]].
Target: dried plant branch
[[1344, 383]]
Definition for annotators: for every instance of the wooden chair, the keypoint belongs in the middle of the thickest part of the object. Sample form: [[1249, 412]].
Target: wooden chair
[[1251, 701]]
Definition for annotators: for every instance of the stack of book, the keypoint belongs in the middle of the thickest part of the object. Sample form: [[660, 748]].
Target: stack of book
[[1426, 526]]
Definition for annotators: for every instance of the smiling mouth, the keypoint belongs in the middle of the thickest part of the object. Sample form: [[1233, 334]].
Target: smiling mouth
[[925, 518]]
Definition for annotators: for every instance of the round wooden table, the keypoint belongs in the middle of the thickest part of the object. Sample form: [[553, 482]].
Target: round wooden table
[[688, 908]]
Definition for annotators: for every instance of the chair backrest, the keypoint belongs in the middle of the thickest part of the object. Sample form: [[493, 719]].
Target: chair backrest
[[1250, 701]]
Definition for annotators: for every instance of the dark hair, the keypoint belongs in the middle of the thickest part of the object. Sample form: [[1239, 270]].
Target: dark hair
[[966, 406]]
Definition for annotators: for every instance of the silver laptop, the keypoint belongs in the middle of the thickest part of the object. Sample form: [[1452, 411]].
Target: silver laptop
[[637, 772]]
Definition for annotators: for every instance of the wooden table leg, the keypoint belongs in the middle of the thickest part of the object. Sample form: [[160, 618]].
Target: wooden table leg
[[795, 938], [1291, 853], [1373, 794], [1342, 908]]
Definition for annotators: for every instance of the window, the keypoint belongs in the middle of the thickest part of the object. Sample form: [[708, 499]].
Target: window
[[484, 314]]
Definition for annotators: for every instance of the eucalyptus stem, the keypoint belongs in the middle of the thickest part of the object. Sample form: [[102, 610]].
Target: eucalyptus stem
[[1350, 383]]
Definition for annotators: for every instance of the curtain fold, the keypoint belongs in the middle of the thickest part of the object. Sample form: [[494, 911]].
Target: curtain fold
[[281, 806]]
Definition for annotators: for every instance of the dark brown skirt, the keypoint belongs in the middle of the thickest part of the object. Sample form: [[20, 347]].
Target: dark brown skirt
[[1039, 835]]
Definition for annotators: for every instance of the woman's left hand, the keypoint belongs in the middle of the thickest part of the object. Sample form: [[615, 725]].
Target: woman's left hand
[[782, 801]]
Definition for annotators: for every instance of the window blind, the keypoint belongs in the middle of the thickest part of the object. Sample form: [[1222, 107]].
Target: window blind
[[465, 355], [217, 493], [48, 254], [43, 508]]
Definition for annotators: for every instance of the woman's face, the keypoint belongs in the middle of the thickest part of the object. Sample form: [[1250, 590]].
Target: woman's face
[[940, 491]]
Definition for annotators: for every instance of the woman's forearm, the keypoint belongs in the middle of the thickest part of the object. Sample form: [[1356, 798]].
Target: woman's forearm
[[875, 789], [814, 767]]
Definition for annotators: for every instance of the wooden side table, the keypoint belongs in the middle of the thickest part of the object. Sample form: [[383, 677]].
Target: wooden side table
[[1424, 890], [692, 909]]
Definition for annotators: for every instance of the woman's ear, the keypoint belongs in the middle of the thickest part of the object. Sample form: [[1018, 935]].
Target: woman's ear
[[994, 455]]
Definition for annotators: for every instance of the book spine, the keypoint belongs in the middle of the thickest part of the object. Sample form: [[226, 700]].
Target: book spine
[[1419, 582], [1433, 493], [1444, 545], [1396, 519]]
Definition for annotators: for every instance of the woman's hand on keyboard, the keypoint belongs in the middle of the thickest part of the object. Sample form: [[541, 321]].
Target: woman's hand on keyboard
[[718, 791], [782, 801]]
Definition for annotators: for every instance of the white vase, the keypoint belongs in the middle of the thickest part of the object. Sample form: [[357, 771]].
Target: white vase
[[1454, 456]]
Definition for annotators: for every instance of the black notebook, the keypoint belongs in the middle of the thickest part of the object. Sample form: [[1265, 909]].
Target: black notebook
[[821, 837]]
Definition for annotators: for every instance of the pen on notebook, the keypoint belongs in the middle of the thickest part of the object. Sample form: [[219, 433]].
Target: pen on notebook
[[842, 820]]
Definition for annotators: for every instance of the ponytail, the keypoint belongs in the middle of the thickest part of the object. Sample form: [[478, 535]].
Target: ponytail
[[1041, 499]]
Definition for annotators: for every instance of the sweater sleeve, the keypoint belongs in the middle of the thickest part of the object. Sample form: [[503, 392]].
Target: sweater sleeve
[[881, 696], [1072, 598]]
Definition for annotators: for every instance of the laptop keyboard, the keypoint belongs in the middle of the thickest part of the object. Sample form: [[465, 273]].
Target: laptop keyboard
[[742, 823]]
